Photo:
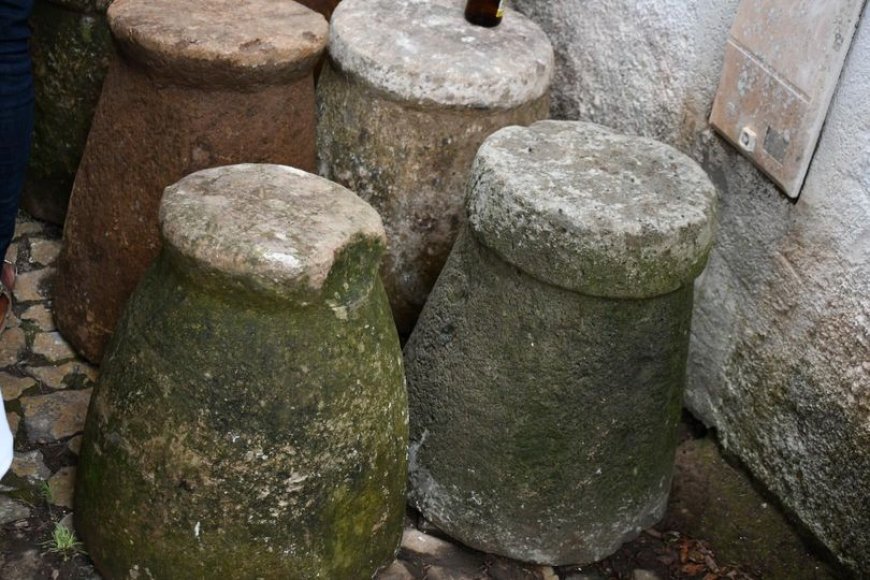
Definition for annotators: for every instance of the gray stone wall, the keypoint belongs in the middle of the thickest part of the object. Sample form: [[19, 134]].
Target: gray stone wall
[[779, 359]]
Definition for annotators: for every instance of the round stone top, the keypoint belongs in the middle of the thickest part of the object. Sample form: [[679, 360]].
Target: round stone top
[[424, 51], [586, 209], [226, 43], [269, 228]]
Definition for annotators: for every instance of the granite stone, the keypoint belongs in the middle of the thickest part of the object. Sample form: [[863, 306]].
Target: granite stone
[[50, 418], [12, 510], [13, 386], [409, 93], [251, 413], [30, 465], [545, 375], [199, 84]]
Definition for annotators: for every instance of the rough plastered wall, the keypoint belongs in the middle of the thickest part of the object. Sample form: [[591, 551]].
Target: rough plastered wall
[[780, 357]]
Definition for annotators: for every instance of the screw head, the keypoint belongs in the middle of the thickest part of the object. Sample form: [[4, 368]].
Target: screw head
[[747, 139]]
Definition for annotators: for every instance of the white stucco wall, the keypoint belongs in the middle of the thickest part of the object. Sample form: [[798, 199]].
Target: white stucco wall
[[780, 356]]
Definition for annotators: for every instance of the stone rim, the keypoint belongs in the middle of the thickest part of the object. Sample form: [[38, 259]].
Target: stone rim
[[221, 43], [272, 229], [447, 61], [625, 216]]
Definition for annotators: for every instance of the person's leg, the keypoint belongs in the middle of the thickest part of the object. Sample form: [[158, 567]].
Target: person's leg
[[16, 128]]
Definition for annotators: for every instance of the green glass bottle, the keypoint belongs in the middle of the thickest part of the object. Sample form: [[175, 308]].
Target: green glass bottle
[[486, 13]]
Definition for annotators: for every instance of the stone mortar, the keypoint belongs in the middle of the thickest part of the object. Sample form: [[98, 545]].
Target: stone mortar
[[148, 133], [547, 369], [259, 429], [403, 105]]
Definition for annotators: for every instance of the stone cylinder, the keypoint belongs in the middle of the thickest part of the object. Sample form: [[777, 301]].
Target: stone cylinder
[[409, 93], [546, 372], [71, 48], [196, 84], [250, 420]]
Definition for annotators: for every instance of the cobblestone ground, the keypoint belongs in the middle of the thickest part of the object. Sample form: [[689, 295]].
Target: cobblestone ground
[[46, 390]]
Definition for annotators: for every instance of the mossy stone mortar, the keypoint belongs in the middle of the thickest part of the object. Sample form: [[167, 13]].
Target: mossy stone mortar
[[71, 48], [251, 418], [409, 93], [194, 85], [544, 403]]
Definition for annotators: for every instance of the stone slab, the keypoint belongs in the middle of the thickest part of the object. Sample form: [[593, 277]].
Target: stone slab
[[13, 386], [59, 377], [33, 286], [12, 510], [28, 564], [14, 419], [44, 252], [426, 556], [27, 228], [49, 418], [75, 444], [30, 465], [13, 343], [41, 316], [52, 346], [61, 487]]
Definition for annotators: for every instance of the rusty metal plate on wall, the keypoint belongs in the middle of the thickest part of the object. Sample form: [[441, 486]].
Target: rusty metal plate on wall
[[782, 63]]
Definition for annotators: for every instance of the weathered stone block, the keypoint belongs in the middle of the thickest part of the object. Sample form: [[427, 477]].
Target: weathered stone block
[[196, 85], [410, 92], [250, 420], [71, 48], [546, 372]]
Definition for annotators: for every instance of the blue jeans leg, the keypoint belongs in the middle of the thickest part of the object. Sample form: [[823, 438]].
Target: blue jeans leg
[[16, 130]]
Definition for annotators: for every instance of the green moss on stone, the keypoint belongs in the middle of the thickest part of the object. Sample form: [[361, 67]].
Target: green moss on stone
[[548, 414], [71, 51], [256, 438]]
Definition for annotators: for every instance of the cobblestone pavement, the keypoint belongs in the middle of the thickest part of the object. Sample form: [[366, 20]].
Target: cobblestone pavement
[[46, 389]]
